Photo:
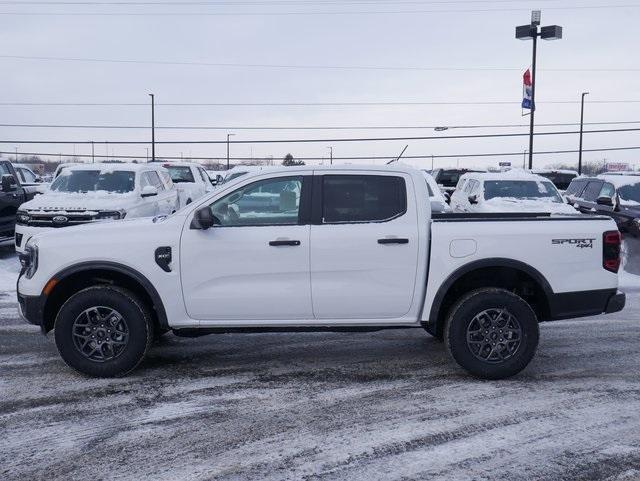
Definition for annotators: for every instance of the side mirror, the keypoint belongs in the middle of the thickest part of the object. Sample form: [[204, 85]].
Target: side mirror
[[149, 191], [473, 199], [9, 183], [38, 179], [608, 201], [203, 219]]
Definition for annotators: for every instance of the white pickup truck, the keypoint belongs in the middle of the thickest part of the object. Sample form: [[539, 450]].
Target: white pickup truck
[[344, 248]]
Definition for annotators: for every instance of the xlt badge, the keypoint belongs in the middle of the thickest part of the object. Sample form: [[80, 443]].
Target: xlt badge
[[581, 243]]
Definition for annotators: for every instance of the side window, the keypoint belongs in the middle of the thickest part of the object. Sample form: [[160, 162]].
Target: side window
[[154, 178], [204, 175], [145, 180], [266, 202], [362, 198], [592, 190], [460, 186], [28, 176], [469, 186], [608, 190]]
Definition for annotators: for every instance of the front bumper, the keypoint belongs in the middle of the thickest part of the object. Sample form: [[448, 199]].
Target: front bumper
[[31, 309]]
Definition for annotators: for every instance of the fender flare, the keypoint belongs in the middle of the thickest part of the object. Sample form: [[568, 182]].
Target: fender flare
[[483, 264], [151, 291]]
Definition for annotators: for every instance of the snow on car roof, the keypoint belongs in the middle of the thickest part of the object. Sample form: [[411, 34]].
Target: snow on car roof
[[513, 174], [109, 167], [620, 180], [554, 171]]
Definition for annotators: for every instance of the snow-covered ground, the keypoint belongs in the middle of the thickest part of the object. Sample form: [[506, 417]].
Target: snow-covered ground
[[389, 405]]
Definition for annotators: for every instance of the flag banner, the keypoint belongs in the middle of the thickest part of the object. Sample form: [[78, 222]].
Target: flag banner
[[526, 91]]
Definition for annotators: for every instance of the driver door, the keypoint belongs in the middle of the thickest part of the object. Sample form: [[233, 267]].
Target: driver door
[[254, 263]]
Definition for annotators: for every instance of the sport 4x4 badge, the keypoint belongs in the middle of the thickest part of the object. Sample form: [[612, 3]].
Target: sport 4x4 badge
[[580, 243]]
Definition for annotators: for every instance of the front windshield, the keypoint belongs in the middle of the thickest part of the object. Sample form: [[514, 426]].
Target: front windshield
[[521, 189], [180, 174], [117, 181], [630, 192]]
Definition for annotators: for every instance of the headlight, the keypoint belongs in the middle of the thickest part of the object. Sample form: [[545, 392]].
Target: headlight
[[29, 259], [22, 217], [111, 214]]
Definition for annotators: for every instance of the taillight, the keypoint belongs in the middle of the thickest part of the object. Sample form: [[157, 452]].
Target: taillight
[[611, 241]]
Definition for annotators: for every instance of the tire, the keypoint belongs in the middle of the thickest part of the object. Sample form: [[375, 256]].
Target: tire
[[492, 333], [103, 331]]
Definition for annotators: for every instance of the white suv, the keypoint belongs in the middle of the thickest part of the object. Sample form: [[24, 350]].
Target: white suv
[[92, 192], [192, 180]]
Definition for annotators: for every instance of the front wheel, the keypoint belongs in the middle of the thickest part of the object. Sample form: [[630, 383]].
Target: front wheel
[[103, 331], [492, 333]]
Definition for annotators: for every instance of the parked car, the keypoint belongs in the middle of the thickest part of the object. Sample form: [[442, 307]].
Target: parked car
[[191, 180], [511, 191], [12, 194], [447, 179], [436, 198], [617, 196], [560, 178], [62, 167], [85, 193], [356, 250], [31, 181]]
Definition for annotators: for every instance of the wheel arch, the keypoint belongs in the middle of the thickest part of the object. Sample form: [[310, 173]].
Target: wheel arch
[[515, 276], [77, 277]]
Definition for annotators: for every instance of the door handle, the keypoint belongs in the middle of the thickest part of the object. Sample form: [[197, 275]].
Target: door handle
[[393, 240], [276, 243]]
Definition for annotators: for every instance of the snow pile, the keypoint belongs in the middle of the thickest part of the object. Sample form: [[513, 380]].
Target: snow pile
[[9, 269]]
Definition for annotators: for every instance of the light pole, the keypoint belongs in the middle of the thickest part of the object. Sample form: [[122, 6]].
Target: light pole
[[330, 155], [228, 135], [93, 153], [16, 155], [526, 32], [581, 125], [153, 128]]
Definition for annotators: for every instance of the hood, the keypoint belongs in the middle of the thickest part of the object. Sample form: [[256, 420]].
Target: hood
[[506, 204], [90, 201]]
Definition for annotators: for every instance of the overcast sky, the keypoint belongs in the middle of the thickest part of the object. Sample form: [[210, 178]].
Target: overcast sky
[[476, 43]]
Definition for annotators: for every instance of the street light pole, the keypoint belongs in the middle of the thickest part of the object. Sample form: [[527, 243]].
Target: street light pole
[[93, 153], [330, 155], [581, 125], [153, 128], [526, 32], [228, 135]]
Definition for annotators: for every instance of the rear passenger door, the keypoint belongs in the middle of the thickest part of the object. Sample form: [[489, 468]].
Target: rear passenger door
[[364, 246]]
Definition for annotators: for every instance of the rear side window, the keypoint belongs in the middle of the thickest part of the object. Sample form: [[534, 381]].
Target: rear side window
[[592, 190], [362, 198]]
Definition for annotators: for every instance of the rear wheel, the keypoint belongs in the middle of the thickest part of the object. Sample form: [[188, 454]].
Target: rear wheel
[[492, 333], [103, 331]]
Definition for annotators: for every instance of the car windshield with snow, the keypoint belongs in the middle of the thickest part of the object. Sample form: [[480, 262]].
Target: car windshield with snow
[[84, 181], [97, 192], [507, 192]]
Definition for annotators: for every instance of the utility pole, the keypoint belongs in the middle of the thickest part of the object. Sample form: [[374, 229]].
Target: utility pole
[[581, 125], [93, 153], [525, 32], [16, 155], [330, 155], [228, 135], [153, 128]]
